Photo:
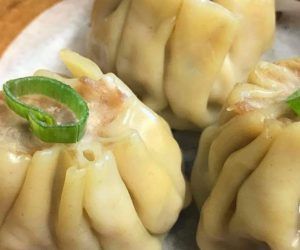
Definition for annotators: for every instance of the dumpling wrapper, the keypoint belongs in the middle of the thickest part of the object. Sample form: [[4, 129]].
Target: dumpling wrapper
[[120, 187], [182, 57], [246, 175]]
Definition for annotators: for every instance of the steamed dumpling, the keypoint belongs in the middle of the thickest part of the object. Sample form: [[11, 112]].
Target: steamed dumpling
[[246, 175], [181, 57], [120, 187]]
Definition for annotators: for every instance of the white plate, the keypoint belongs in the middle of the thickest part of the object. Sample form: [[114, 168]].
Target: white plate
[[64, 25]]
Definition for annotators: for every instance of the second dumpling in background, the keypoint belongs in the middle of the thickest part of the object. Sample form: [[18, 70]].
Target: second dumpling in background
[[181, 57]]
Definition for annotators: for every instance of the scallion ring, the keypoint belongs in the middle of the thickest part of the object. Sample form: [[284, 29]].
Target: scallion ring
[[43, 125], [293, 102]]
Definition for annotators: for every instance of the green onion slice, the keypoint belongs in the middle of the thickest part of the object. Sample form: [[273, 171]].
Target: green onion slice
[[43, 125], [294, 102]]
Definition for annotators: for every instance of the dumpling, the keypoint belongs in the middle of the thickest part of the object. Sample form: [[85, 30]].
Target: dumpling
[[246, 175], [119, 187], [181, 57]]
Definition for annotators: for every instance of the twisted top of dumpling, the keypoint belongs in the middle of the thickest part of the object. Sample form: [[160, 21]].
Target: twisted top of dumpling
[[246, 173], [268, 88], [119, 187], [181, 57]]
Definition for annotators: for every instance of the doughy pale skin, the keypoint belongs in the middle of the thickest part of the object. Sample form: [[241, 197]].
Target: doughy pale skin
[[108, 19], [27, 224], [197, 52], [119, 187], [141, 55], [11, 179], [246, 49], [73, 229], [183, 57], [246, 175], [117, 222], [142, 178]]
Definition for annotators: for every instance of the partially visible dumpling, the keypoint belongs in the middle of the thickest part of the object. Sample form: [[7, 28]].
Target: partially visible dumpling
[[181, 57], [120, 187], [246, 175]]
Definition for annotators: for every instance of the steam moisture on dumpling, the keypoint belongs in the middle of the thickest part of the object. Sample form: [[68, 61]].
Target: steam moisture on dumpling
[[119, 187], [246, 175]]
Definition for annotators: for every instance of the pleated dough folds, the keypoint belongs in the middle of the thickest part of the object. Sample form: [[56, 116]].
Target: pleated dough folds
[[181, 57], [120, 187], [246, 175]]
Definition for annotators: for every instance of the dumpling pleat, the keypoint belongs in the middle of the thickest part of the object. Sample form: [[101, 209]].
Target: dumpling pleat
[[12, 174], [220, 205], [253, 23], [141, 56], [202, 37], [156, 200], [108, 21], [72, 229], [28, 224], [159, 145], [111, 211], [237, 133], [275, 181]]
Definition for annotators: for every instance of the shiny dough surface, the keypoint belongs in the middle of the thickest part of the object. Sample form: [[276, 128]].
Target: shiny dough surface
[[120, 187], [246, 175], [181, 57]]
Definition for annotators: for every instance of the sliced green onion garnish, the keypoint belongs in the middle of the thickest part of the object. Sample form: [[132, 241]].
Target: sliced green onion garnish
[[294, 102], [43, 125]]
